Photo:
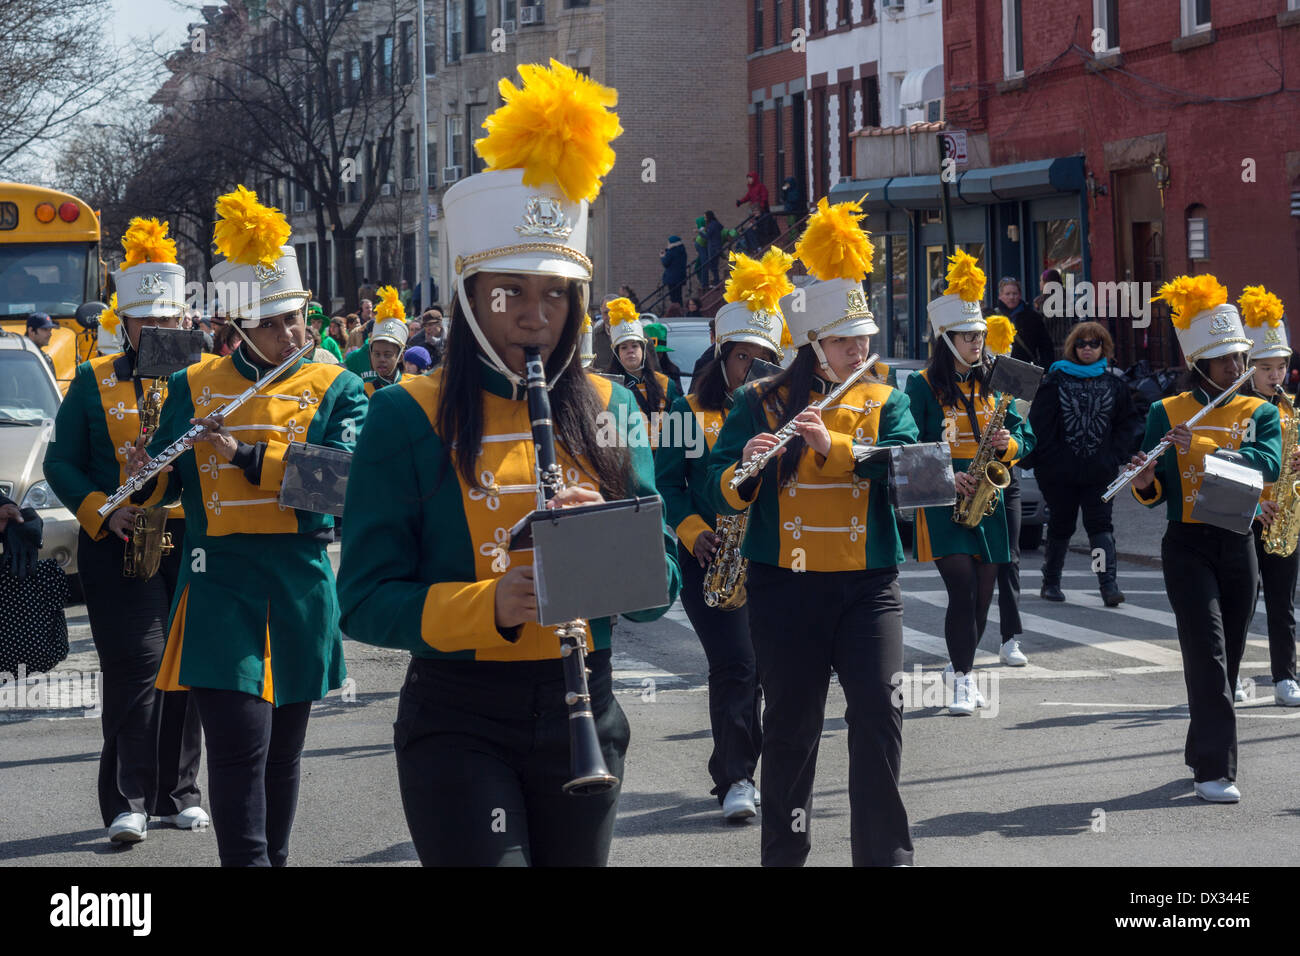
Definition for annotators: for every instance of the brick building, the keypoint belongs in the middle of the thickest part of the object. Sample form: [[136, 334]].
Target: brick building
[[778, 124], [1118, 141]]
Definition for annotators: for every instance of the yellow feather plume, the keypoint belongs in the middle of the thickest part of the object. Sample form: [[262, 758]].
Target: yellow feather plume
[[1001, 333], [965, 278], [834, 246], [1188, 296], [620, 311], [109, 319], [1259, 306], [390, 303], [248, 232], [586, 324], [556, 127], [146, 241], [760, 283]]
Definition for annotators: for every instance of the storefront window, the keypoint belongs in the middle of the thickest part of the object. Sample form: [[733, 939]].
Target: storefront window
[[902, 319], [1059, 247]]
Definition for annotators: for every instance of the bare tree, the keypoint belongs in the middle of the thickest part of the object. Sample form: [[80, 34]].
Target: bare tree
[[311, 93]]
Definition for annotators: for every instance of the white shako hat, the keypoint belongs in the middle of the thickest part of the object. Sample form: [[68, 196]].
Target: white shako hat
[[1207, 326], [1264, 320], [958, 309], [624, 323], [151, 284], [258, 276], [753, 310], [838, 253], [390, 330], [546, 151]]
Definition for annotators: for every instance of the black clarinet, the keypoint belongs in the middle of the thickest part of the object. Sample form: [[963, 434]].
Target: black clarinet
[[588, 773]]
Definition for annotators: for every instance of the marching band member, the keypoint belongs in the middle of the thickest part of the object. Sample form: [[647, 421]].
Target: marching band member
[[1262, 315], [481, 735], [637, 362], [823, 551], [387, 342], [951, 403], [749, 326], [1210, 572], [150, 759], [254, 627]]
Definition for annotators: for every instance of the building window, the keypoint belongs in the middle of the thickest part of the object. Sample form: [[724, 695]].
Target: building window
[[354, 78], [1013, 49], [455, 140], [336, 74], [367, 66], [777, 38], [779, 118], [1196, 16], [1293, 4], [509, 12], [758, 25], [477, 114], [385, 63], [819, 15], [431, 157], [845, 12], [455, 29], [1198, 233], [570, 4], [476, 40], [1105, 17], [821, 142], [846, 127], [408, 154], [430, 45], [870, 101], [758, 140]]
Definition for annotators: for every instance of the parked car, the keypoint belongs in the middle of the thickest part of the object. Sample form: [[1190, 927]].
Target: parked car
[[1033, 510], [29, 402]]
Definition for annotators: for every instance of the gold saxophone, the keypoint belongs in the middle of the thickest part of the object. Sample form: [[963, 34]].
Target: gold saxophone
[[724, 579], [150, 539], [1281, 536], [991, 474]]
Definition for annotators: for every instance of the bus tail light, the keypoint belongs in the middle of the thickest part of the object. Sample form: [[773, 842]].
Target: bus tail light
[[45, 212], [69, 212]]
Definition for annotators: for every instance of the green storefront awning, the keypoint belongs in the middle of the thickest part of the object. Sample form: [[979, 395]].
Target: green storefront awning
[[1045, 177]]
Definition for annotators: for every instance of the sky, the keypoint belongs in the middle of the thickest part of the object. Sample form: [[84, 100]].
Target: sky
[[139, 20]]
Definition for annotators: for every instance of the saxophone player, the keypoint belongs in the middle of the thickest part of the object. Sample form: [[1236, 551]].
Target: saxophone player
[[1262, 316], [951, 402], [749, 326], [150, 761], [823, 551]]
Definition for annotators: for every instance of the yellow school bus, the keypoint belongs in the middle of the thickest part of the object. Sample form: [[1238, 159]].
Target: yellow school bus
[[49, 262]]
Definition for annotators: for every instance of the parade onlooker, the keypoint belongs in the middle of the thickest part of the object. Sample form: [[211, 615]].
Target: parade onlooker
[[353, 321], [335, 338], [673, 259], [793, 200], [1049, 277], [416, 360], [1032, 342], [321, 354], [406, 296], [626, 292], [693, 306], [366, 311], [1086, 428], [225, 339], [764, 229], [712, 250], [39, 329], [356, 339]]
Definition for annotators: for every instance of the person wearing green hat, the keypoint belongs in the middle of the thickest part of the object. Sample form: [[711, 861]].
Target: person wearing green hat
[[657, 335]]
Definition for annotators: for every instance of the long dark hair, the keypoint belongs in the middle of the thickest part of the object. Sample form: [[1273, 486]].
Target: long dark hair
[[798, 379], [942, 369], [710, 386], [653, 399], [575, 405]]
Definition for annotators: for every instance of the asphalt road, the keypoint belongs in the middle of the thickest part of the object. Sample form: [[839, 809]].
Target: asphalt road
[[1081, 765]]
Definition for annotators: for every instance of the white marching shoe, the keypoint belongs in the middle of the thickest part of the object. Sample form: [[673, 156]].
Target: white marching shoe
[[738, 804], [1011, 654], [1239, 694], [1222, 790], [128, 828], [963, 696], [191, 818], [1286, 693]]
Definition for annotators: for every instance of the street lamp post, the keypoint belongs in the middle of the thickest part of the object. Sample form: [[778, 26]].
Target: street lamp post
[[425, 280]]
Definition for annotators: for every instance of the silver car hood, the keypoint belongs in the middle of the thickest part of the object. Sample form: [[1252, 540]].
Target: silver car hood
[[22, 454]]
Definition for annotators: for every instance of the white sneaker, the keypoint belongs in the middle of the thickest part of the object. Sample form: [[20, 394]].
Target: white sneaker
[[1240, 693], [758, 797], [1286, 693], [191, 818], [1012, 655], [976, 696], [963, 701], [128, 828], [739, 801], [1222, 790]]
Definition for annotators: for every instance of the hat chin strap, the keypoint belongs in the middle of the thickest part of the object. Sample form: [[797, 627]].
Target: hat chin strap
[[489, 354], [824, 363]]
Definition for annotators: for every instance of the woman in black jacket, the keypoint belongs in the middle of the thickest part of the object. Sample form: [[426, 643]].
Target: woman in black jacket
[[1087, 427]]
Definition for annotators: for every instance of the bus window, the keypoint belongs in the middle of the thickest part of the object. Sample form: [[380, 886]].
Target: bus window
[[43, 277]]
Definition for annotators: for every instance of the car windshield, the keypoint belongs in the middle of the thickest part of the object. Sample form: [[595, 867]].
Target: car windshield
[[687, 344], [27, 396], [42, 277]]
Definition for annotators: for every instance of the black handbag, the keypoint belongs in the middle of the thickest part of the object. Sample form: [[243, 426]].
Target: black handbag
[[33, 593]]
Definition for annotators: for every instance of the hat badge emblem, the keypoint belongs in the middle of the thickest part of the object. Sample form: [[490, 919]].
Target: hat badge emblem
[[544, 216], [856, 300], [268, 274], [760, 320], [151, 283], [1272, 336], [1221, 324]]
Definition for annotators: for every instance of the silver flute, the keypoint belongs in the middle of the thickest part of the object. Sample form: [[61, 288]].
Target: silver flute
[[1131, 472], [178, 447], [785, 434]]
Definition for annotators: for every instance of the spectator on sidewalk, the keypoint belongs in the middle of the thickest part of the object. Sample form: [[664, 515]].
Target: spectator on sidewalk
[[1033, 343], [712, 250], [793, 200], [673, 259]]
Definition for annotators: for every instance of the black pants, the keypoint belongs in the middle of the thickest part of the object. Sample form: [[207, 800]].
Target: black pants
[[482, 757], [254, 753], [970, 593], [150, 760], [1210, 578], [1278, 579], [804, 625], [735, 698], [1065, 499], [1009, 573]]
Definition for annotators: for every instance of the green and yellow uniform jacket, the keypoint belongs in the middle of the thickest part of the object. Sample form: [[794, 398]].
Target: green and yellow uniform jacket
[[671, 393], [836, 514], [1178, 476], [683, 480], [373, 382], [97, 423], [935, 533], [256, 608], [423, 551]]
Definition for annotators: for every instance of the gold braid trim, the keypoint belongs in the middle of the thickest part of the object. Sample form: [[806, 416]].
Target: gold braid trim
[[557, 248]]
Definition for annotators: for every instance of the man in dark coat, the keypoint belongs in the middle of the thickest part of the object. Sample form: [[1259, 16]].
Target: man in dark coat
[[1033, 343], [673, 259], [712, 248]]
